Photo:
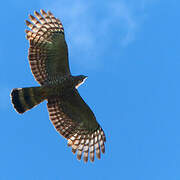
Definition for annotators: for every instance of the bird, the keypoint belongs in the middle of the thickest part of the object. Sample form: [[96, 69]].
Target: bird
[[68, 112]]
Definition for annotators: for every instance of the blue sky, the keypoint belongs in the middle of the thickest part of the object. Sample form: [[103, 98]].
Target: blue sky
[[130, 51]]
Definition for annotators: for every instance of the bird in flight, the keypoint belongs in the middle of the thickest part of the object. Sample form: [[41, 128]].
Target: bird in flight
[[70, 115]]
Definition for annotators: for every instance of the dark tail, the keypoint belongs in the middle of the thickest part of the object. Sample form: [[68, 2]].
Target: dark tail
[[24, 99]]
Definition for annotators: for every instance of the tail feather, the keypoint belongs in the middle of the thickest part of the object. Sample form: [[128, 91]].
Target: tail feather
[[24, 99]]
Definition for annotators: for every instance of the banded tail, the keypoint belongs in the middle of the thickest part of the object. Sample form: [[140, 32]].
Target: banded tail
[[24, 99]]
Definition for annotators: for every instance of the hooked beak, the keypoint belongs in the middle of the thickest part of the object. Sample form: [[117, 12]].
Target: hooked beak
[[85, 78]]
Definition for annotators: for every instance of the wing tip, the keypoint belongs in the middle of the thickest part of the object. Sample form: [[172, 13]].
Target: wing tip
[[89, 145]]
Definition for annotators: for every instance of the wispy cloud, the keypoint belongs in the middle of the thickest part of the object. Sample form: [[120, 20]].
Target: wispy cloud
[[90, 29]]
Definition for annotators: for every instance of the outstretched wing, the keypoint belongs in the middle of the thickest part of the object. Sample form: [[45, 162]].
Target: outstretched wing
[[73, 119], [48, 53]]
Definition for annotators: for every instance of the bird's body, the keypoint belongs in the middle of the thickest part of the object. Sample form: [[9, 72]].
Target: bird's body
[[71, 116], [62, 87]]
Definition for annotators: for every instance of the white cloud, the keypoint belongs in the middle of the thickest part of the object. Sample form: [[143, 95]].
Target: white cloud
[[123, 13]]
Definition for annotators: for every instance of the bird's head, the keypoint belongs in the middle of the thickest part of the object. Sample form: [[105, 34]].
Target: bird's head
[[79, 80]]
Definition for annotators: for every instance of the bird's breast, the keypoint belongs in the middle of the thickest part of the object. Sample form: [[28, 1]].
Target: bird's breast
[[60, 88]]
